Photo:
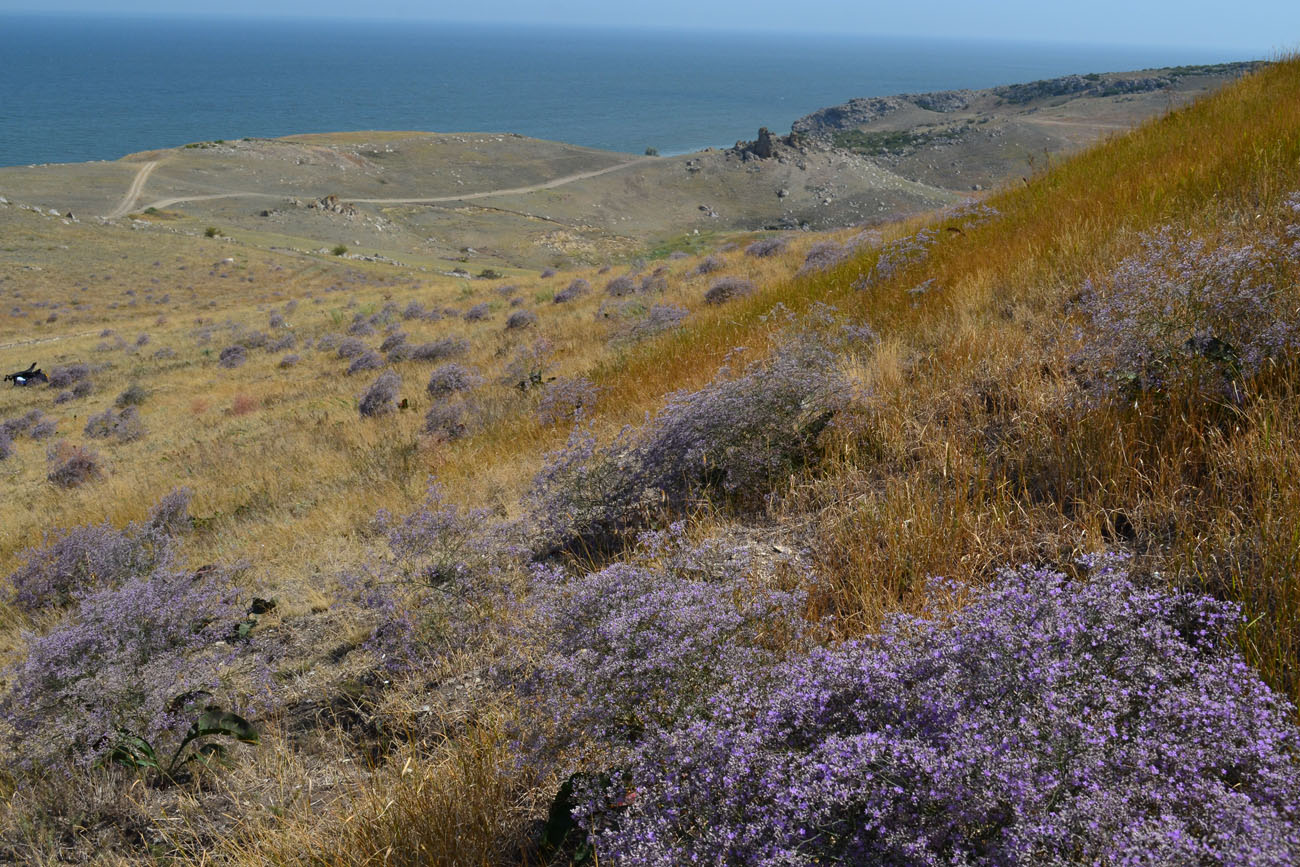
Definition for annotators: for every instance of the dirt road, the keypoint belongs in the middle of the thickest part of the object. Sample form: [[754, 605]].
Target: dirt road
[[514, 191], [133, 193], [463, 197]]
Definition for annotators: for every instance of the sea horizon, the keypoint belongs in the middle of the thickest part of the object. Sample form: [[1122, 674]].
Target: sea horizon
[[83, 88]]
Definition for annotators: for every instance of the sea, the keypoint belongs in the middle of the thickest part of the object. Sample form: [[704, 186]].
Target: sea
[[78, 88]]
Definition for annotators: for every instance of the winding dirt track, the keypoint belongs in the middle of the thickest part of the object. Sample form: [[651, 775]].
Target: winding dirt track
[[514, 191], [134, 192]]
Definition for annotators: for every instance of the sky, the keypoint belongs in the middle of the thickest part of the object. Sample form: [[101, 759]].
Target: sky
[[1263, 28]]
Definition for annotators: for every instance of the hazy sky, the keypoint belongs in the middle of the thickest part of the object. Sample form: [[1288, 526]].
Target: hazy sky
[[1262, 28]]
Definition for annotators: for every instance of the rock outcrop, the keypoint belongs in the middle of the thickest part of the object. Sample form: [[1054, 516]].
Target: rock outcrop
[[854, 113], [335, 205], [767, 146]]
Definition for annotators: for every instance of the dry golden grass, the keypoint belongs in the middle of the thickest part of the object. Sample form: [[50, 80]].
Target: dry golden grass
[[455, 803]]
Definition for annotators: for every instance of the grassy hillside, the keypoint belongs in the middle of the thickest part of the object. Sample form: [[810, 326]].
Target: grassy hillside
[[692, 595]]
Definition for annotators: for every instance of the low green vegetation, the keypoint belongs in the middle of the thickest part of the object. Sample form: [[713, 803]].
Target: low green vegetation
[[880, 142]]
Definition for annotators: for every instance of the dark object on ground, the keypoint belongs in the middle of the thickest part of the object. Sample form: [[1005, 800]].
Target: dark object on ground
[[30, 376]]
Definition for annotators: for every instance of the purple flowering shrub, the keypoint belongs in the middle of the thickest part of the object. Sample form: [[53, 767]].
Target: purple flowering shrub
[[448, 420], [91, 557], [732, 438], [440, 544], [824, 255], [658, 319], [232, 356], [452, 377], [521, 319], [68, 375], [620, 286], [437, 350], [588, 495], [368, 360], [71, 465], [170, 516], [656, 281], [765, 247], [351, 347], [897, 256], [707, 265], [394, 624], [443, 557], [124, 426], [1186, 311], [576, 289], [527, 369], [566, 400], [126, 660], [1047, 722], [380, 397], [80, 559], [478, 313], [22, 424], [634, 647], [725, 289], [328, 342], [43, 429], [971, 213], [134, 395]]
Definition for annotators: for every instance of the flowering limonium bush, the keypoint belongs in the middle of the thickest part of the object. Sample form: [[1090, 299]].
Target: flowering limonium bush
[[92, 557], [129, 660], [449, 378], [1046, 722], [897, 256], [446, 560], [644, 645], [733, 437], [437, 350], [380, 397], [440, 543], [1187, 311], [566, 399], [658, 319], [124, 426]]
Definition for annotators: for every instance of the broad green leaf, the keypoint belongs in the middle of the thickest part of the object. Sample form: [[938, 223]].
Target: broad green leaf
[[131, 751]]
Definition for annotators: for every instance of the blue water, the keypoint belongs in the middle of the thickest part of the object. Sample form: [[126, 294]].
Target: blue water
[[77, 89]]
